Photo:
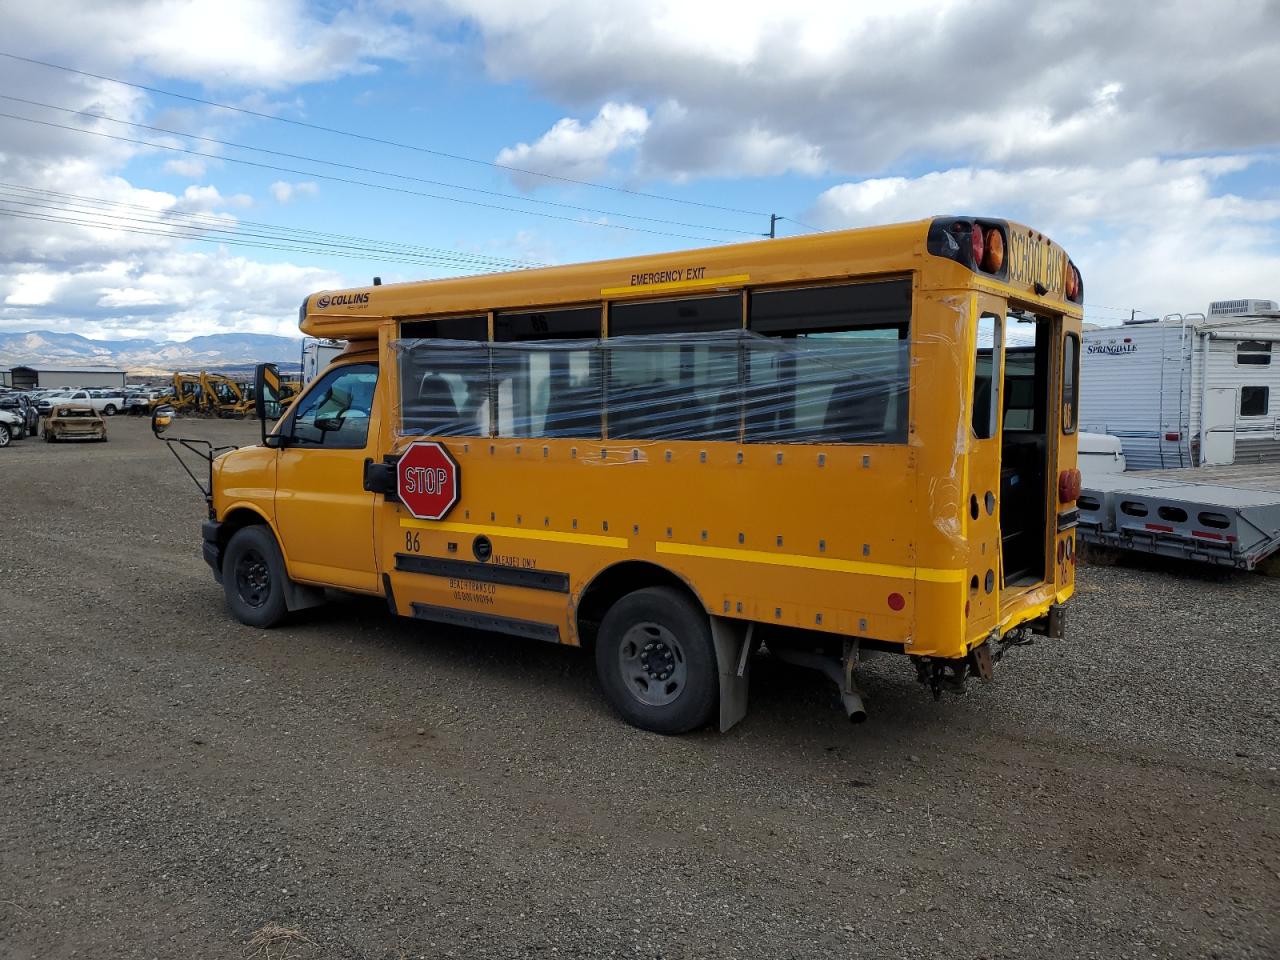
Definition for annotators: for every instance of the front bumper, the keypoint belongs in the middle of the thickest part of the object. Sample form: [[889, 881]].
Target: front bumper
[[210, 532]]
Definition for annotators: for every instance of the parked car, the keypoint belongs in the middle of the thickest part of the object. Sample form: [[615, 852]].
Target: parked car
[[24, 407], [108, 402], [12, 427], [141, 401], [70, 421]]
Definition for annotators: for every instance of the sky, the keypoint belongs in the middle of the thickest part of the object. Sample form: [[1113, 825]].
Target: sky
[[172, 168]]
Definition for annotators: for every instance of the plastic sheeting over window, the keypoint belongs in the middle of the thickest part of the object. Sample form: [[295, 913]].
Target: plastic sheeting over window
[[732, 385]]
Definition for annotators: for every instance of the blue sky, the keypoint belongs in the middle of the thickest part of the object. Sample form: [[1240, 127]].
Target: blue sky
[[1126, 135]]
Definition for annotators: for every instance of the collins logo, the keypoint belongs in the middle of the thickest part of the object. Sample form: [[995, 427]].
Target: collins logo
[[342, 300]]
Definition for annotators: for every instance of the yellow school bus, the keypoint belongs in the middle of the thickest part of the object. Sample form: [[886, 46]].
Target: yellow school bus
[[833, 446]]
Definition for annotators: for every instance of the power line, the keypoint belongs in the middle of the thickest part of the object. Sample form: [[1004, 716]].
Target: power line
[[181, 234], [380, 140], [800, 223], [351, 181], [187, 231], [374, 170], [26, 195]]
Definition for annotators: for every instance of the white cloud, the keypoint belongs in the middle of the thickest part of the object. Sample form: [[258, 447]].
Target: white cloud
[[866, 86], [254, 43], [570, 149], [190, 167], [284, 191], [1160, 236], [31, 290]]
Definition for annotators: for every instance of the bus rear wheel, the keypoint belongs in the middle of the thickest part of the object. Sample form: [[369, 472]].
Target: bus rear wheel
[[253, 577], [657, 662]]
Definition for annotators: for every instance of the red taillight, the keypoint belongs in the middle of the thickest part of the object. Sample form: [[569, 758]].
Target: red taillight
[[1069, 486], [993, 260], [1073, 285], [979, 247], [1173, 437]]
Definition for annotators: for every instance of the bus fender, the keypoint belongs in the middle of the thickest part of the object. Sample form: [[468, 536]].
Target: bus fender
[[733, 641]]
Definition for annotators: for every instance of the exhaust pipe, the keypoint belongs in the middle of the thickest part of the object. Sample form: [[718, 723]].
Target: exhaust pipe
[[850, 699]]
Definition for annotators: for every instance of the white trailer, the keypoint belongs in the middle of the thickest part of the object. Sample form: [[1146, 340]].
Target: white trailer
[[318, 354], [1183, 391]]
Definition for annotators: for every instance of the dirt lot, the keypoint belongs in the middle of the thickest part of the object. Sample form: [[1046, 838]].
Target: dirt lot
[[172, 782]]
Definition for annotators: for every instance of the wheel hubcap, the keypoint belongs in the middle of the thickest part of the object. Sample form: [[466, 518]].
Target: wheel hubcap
[[652, 664], [253, 578]]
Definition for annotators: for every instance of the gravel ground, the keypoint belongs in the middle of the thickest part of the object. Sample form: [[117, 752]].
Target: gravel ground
[[172, 783]]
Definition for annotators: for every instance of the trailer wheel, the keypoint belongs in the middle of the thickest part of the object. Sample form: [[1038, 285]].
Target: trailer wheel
[[253, 577], [657, 662]]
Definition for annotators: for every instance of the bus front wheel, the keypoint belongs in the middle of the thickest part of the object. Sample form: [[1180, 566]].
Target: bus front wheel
[[253, 577], [657, 662]]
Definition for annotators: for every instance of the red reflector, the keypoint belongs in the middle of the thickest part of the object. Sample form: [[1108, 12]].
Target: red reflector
[[978, 246], [1206, 533], [1173, 437], [1128, 339], [1163, 528], [897, 601], [1069, 485]]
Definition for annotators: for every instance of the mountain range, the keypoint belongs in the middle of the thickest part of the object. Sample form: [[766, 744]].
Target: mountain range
[[45, 348]]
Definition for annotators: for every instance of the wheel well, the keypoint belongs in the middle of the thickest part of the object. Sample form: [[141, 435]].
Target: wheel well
[[614, 583], [237, 520]]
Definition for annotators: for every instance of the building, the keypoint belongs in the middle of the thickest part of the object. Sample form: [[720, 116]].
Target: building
[[1187, 390], [44, 378]]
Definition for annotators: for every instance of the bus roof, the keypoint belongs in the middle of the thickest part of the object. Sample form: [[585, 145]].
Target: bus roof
[[356, 313]]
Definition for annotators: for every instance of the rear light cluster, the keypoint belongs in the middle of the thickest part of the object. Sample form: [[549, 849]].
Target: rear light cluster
[[978, 244], [1073, 284], [1069, 485]]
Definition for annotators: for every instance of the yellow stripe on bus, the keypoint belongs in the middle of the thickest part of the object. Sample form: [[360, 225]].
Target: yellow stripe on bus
[[733, 281], [519, 533], [815, 563]]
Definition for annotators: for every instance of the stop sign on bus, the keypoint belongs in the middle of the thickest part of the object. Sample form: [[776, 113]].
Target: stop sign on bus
[[427, 480]]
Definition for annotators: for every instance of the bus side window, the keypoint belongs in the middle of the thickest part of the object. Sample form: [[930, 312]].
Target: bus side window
[[671, 374], [989, 343], [545, 384], [835, 367], [444, 388], [1071, 381]]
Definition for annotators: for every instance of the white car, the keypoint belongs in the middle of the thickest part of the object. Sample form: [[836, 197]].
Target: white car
[[12, 427], [106, 402]]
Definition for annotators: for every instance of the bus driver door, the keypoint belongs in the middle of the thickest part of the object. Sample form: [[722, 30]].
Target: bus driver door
[[323, 513]]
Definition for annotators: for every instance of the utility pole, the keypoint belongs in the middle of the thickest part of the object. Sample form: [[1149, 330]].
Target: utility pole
[[1132, 315], [773, 224]]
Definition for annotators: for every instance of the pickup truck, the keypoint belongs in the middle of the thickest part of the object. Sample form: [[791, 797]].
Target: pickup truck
[[106, 402]]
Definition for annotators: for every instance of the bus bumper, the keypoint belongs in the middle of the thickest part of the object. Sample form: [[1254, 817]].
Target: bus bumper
[[212, 552]]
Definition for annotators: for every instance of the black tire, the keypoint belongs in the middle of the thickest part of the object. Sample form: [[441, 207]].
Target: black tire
[[109, 410], [657, 662], [253, 577], [5, 435]]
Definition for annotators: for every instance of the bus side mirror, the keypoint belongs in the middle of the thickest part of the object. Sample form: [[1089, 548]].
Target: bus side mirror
[[266, 395], [161, 417]]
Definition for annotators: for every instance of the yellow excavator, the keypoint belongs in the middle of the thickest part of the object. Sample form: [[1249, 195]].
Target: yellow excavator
[[224, 397], [186, 395]]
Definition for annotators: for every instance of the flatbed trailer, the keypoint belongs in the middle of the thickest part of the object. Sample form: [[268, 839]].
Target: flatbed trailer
[[1226, 516]]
